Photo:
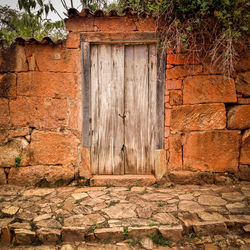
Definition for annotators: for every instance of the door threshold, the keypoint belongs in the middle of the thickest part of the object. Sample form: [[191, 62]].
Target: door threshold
[[122, 180]]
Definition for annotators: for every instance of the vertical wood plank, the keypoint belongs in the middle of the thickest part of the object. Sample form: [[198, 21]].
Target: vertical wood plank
[[94, 109], [161, 70], [117, 108], [136, 109], [152, 106], [86, 128], [105, 140]]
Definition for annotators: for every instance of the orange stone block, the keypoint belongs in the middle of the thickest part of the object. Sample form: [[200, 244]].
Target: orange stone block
[[175, 152], [198, 117], [36, 175], [148, 24], [238, 117], [53, 148], [183, 71], [115, 24], [167, 117], [178, 59], [80, 24], [8, 85], [75, 115], [73, 40], [216, 151], [56, 59], [47, 84], [85, 168], [4, 112], [38, 112], [242, 84], [245, 148], [208, 89], [173, 84], [175, 97]]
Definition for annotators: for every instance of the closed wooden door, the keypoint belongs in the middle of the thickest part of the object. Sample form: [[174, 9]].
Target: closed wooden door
[[123, 108]]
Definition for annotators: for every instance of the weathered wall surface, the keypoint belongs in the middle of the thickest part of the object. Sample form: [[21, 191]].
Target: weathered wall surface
[[40, 122], [207, 115], [207, 118]]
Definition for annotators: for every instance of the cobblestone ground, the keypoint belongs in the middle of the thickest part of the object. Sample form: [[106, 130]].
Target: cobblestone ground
[[180, 217]]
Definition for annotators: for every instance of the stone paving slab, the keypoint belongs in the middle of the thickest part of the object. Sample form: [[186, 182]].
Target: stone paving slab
[[181, 217]]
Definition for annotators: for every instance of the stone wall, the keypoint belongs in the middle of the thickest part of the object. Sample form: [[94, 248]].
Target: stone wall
[[40, 122], [206, 114], [207, 119]]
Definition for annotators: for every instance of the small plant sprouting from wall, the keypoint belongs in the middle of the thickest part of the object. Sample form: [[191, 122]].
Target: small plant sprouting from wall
[[17, 162]]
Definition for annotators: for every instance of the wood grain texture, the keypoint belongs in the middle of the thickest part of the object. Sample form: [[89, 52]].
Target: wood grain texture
[[107, 103], [136, 109], [86, 127], [152, 113], [161, 70], [94, 110], [123, 108]]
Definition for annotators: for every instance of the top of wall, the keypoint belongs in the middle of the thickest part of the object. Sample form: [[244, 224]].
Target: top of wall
[[128, 21]]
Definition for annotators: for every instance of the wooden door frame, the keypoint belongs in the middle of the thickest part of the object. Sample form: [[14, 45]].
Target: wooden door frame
[[130, 38]]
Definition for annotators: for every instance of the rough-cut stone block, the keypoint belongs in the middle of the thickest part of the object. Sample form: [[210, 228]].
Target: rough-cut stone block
[[210, 227], [3, 136], [53, 148], [55, 59], [216, 151], [198, 117], [244, 172], [173, 84], [75, 115], [146, 24], [2, 177], [188, 220], [184, 177], [4, 117], [245, 148], [6, 235], [142, 231], [175, 97], [122, 180], [13, 58], [160, 163], [183, 59], [46, 84], [41, 175], [239, 117], [24, 236], [175, 152], [244, 62], [85, 168], [78, 25], [122, 24], [8, 85], [183, 71], [206, 89], [73, 40], [243, 101], [16, 148], [48, 235], [18, 132], [114, 233], [71, 234], [38, 112], [242, 84], [173, 233]]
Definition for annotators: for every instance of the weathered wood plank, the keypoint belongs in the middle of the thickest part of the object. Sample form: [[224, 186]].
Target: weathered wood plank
[[136, 109], [105, 139], [121, 37], [161, 69], [86, 133], [94, 109], [152, 106], [117, 108]]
